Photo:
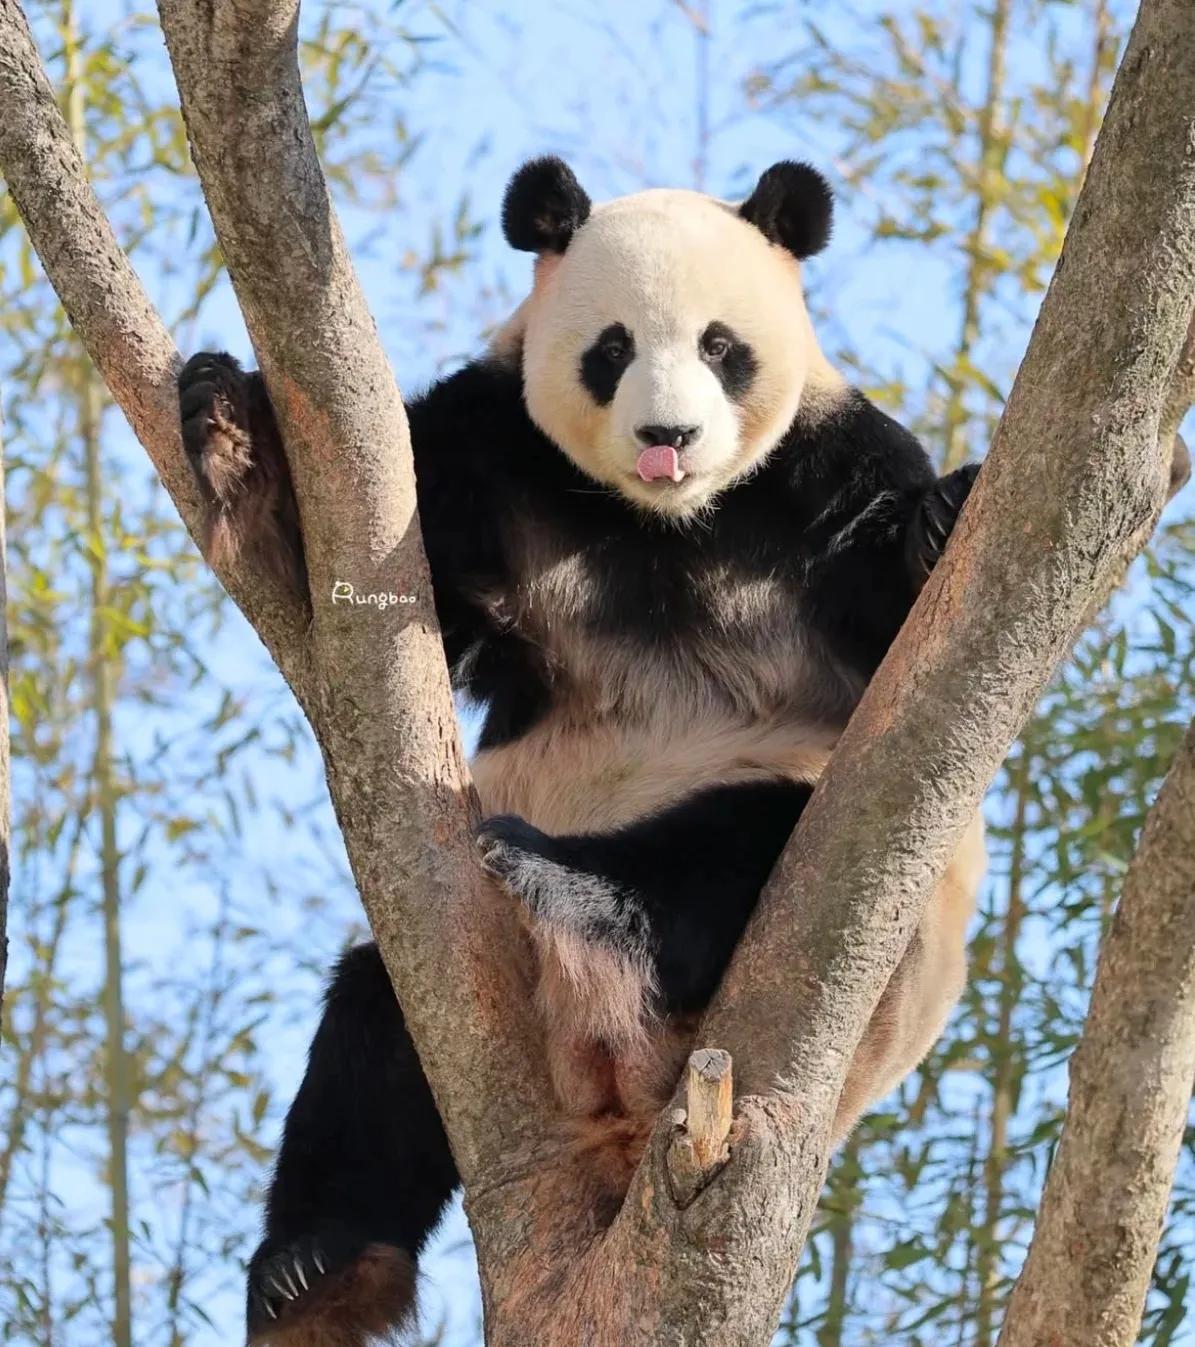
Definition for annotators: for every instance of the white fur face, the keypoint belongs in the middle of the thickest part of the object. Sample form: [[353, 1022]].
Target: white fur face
[[668, 311]]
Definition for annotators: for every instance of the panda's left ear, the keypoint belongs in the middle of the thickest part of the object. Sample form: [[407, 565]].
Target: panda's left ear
[[544, 207], [792, 205]]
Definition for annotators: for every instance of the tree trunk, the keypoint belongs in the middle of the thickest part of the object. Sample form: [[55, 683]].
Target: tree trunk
[[1088, 1269], [1073, 485]]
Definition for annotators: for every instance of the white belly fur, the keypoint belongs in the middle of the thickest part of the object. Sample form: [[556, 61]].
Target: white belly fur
[[565, 777]]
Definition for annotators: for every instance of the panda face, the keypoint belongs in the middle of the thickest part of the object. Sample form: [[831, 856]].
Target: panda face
[[666, 344]]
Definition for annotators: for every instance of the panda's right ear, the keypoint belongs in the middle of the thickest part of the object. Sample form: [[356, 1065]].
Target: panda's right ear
[[544, 207]]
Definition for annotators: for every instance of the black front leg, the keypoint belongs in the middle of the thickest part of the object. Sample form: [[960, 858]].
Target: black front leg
[[677, 886]]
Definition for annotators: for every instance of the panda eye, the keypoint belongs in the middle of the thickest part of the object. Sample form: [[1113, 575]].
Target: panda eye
[[615, 345], [716, 348]]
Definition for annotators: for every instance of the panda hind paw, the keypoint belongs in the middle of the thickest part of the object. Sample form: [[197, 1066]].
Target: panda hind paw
[[333, 1286], [284, 1277]]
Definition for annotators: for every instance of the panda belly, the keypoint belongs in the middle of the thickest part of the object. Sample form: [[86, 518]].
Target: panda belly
[[568, 776]]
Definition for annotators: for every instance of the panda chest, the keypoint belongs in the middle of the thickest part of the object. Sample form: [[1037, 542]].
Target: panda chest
[[650, 635]]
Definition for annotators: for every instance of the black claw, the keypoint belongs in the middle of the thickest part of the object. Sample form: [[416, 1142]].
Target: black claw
[[506, 839], [935, 520], [207, 377]]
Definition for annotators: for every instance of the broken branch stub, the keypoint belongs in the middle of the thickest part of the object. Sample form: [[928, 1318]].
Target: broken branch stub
[[698, 1149]]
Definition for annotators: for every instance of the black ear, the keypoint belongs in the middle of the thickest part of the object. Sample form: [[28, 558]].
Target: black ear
[[544, 207], [792, 205]]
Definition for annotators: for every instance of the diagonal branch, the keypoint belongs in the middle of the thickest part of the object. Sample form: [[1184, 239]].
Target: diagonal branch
[[380, 702], [1073, 484], [1074, 481], [1088, 1269], [110, 310]]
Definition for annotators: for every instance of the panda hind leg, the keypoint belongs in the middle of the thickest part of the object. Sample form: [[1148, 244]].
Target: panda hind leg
[[673, 890], [232, 442], [361, 1180]]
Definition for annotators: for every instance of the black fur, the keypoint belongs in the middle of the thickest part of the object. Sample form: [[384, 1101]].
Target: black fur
[[935, 517], [792, 205], [544, 206], [232, 442], [374, 1168], [842, 523]]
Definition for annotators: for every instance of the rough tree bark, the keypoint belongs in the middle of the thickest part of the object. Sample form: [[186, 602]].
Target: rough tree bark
[[1084, 1282], [1073, 485]]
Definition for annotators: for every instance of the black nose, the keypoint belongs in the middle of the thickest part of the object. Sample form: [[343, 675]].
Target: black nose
[[677, 436]]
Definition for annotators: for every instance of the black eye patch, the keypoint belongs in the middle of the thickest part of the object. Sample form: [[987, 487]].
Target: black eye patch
[[730, 358], [603, 363]]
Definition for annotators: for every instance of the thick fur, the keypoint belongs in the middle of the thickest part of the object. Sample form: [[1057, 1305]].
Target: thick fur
[[544, 206], [792, 206], [362, 1177], [232, 441], [664, 664]]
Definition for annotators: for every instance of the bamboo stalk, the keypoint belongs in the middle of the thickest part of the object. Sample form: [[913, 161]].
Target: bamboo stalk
[[105, 792], [989, 157], [987, 1261]]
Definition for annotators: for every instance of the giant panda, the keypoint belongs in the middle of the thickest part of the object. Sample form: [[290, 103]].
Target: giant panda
[[669, 547]]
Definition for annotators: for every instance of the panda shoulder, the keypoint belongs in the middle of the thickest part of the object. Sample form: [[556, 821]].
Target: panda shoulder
[[486, 388], [854, 441], [470, 420]]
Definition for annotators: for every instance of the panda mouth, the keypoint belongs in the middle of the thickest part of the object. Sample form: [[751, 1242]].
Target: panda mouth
[[660, 463]]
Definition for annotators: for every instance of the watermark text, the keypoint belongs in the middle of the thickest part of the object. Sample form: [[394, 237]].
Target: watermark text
[[343, 592]]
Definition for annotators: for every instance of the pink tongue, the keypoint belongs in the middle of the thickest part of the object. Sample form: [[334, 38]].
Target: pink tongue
[[659, 460]]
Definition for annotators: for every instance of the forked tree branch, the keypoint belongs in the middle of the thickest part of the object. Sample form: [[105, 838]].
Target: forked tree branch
[[1073, 485], [1096, 1239]]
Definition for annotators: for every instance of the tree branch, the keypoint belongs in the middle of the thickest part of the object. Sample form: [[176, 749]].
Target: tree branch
[[1073, 484], [380, 701], [1087, 1273], [110, 310]]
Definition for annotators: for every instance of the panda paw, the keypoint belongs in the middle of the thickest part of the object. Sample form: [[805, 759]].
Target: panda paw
[[526, 861], [284, 1276], [213, 400], [935, 518], [556, 880]]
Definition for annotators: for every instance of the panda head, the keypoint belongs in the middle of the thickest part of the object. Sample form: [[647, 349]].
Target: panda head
[[666, 346]]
